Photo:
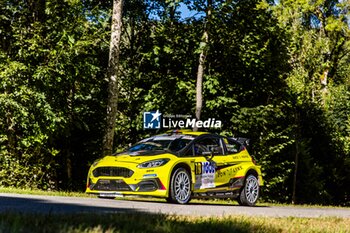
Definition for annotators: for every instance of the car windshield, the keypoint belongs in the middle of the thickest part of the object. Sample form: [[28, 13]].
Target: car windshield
[[172, 143]]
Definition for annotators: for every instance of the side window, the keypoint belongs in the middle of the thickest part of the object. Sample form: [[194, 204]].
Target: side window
[[233, 146], [212, 145], [178, 144]]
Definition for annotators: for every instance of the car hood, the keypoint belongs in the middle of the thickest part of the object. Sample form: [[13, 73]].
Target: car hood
[[145, 153], [131, 158]]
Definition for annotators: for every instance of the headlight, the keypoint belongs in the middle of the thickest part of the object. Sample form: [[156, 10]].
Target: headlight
[[153, 163]]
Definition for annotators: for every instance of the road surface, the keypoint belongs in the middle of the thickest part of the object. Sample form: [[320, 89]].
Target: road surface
[[61, 205]]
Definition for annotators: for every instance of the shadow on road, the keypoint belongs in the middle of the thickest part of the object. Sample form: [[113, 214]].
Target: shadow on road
[[194, 203], [38, 205], [31, 214]]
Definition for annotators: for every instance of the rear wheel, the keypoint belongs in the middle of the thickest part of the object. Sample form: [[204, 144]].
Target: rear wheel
[[180, 187], [249, 193]]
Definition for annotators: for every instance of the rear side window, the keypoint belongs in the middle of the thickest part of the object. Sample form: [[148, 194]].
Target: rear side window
[[233, 146], [212, 145]]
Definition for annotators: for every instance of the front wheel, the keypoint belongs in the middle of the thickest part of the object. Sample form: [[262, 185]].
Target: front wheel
[[180, 187], [249, 194]]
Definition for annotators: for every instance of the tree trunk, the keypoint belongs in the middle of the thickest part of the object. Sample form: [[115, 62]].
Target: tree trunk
[[201, 65], [114, 49], [324, 88], [200, 74], [296, 158], [68, 139], [296, 166], [10, 131]]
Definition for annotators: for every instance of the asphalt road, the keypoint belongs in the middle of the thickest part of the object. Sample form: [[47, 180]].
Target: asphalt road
[[61, 205]]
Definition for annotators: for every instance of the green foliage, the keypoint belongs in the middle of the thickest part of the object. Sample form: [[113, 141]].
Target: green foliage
[[277, 73], [51, 83], [317, 33]]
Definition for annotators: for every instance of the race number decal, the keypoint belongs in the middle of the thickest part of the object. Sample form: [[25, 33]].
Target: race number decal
[[205, 175]]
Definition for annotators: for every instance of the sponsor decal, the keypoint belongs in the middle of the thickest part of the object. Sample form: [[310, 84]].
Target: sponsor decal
[[205, 175], [149, 175], [240, 156], [155, 120], [231, 171]]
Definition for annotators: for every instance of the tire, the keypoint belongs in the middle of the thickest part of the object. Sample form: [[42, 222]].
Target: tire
[[250, 191], [180, 187]]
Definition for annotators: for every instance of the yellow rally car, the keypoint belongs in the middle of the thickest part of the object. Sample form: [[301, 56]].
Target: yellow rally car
[[178, 166]]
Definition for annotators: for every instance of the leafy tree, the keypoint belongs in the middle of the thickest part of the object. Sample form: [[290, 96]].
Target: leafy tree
[[50, 63], [317, 33]]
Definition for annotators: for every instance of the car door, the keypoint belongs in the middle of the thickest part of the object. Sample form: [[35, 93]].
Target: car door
[[209, 157], [234, 161]]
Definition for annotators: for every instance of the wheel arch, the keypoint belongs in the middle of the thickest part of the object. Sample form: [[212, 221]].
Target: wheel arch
[[182, 165], [257, 173], [252, 171]]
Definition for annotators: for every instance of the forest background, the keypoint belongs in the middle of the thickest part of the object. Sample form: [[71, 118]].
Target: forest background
[[276, 72]]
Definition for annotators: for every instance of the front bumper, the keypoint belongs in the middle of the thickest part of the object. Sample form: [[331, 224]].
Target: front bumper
[[130, 181], [147, 185]]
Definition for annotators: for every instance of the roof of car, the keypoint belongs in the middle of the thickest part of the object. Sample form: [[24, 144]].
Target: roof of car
[[186, 132]]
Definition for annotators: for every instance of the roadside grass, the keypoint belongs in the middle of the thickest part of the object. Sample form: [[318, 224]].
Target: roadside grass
[[42, 192], [159, 223]]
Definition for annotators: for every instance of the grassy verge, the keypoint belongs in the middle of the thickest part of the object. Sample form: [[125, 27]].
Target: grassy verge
[[42, 192], [138, 222]]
